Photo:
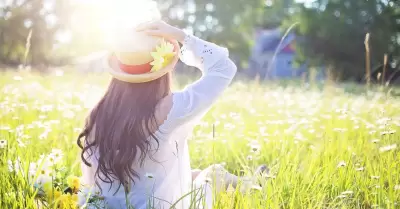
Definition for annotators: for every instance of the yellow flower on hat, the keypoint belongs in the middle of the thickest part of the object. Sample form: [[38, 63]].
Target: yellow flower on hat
[[162, 56]]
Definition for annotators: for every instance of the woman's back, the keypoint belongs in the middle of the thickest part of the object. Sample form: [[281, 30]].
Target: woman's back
[[164, 175]]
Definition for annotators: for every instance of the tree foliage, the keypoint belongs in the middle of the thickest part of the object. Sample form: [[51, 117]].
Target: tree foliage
[[334, 33], [28, 29]]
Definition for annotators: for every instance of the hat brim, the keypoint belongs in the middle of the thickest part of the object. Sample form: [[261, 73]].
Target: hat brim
[[112, 67]]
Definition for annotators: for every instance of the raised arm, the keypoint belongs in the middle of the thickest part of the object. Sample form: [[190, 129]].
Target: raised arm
[[217, 73], [213, 61]]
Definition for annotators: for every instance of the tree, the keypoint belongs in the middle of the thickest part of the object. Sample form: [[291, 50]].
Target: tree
[[225, 22], [28, 29], [334, 33]]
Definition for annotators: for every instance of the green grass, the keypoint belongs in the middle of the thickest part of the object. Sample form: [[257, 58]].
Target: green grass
[[324, 148]]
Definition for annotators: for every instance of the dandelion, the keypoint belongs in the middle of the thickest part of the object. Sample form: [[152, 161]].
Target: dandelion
[[3, 144], [388, 148], [67, 201], [73, 183], [341, 164]]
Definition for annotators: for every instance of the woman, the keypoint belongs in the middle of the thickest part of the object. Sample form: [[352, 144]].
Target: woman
[[135, 140]]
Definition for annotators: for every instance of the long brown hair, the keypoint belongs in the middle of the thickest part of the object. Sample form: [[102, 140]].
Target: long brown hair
[[122, 122]]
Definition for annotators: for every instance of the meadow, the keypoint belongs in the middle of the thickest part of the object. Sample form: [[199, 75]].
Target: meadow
[[325, 148]]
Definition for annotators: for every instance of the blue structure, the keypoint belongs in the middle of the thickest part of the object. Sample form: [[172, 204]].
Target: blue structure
[[272, 57]]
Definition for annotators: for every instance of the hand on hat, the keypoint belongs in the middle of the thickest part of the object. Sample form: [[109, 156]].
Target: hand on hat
[[162, 29]]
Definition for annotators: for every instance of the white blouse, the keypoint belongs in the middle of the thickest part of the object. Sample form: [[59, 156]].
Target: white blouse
[[165, 176]]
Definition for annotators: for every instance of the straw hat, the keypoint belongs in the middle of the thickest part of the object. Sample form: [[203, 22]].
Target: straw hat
[[130, 58]]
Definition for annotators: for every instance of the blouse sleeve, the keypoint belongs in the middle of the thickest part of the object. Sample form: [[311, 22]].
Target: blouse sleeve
[[217, 73]]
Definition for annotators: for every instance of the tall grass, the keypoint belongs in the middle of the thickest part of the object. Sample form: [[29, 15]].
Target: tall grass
[[325, 151]]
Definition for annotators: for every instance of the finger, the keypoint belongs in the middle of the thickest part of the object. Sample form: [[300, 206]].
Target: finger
[[153, 32], [147, 26]]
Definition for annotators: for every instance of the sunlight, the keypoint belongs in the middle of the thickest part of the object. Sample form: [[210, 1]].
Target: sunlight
[[109, 16]]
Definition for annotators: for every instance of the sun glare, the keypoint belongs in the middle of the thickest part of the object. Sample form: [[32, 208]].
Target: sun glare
[[109, 16]]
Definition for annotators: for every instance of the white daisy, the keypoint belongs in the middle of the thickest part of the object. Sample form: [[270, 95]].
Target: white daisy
[[149, 175], [375, 177], [388, 148], [341, 164], [3, 143], [347, 192]]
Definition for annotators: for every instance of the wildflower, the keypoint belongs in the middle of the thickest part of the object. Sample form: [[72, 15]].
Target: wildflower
[[341, 164], [43, 179], [59, 73], [21, 143], [73, 183], [230, 189], [162, 56], [249, 158], [375, 141], [360, 169], [67, 201], [56, 155], [340, 130], [255, 146], [78, 130], [149, 175], [256, 187], [68, 114], [388, 148], [3, 143], [388, 132], [375, 177], [17, 78], [10, 166], [347, 192], [397, 187], [51, 193]]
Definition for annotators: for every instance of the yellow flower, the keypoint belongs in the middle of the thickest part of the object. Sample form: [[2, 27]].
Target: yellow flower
[[67, 201], [162, 56], [51, 193], [73, 182]]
